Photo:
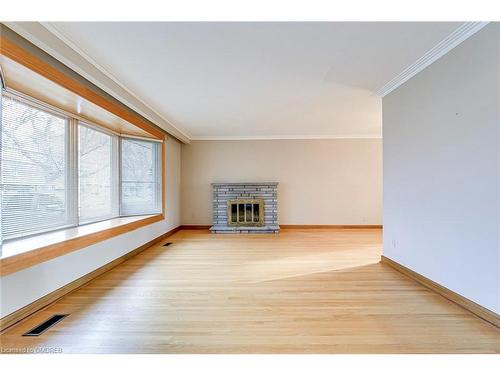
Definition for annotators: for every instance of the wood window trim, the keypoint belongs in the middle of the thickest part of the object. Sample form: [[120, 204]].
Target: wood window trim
[[24, 258], [20, 55]]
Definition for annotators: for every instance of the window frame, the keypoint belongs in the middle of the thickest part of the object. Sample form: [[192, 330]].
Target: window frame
[[115, 174], [69, 171], [158, 174], [72, 168]]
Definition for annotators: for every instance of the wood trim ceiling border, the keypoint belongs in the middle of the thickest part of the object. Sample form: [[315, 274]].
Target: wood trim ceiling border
[[20, 55]]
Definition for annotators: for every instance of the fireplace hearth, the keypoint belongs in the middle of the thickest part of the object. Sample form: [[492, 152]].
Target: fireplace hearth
[[245, 207]]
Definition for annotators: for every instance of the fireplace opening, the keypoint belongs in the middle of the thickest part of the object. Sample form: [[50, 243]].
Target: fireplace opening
[[245, 212]]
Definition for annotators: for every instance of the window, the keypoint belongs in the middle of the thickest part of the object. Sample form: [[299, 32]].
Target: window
[[140, 177], [35, 170], [57, 171], [97, 175]]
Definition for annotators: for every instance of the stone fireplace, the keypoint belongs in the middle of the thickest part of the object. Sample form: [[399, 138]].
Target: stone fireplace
[[245, 207]]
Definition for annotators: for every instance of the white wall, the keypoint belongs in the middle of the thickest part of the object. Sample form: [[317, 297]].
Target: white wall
[[328, 181], [442, 170], [25, 286]]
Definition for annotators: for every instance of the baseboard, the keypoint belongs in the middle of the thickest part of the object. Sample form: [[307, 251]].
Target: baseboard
[[328, 226], [195, 227], [299, 226], [466, 303], [15, 317]]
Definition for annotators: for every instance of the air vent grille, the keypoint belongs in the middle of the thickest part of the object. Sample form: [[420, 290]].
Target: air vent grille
[[43, 327]]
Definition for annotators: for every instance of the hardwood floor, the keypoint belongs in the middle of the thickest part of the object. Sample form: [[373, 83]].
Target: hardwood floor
[[301, 291]]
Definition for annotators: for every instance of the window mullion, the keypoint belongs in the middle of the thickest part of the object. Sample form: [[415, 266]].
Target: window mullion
[[120, 203], [73, 172], [115, 176], [159, 171]]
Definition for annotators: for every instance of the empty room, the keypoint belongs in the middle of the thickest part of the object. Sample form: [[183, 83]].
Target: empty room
[[250, 187]]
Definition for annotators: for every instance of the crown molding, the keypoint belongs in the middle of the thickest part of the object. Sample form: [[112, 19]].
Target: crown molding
[[463, 32], [43, 35], [282, 137], [61, 48]]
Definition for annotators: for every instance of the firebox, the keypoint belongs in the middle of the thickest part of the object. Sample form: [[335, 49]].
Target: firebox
[[245, 212]]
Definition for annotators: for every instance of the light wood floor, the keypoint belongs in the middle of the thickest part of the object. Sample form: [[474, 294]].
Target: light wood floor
[[302, 291]]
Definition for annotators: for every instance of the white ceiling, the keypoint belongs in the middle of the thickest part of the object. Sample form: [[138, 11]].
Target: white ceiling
[[258, 80]]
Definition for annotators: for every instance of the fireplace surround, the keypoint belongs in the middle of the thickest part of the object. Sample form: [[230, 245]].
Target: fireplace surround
[[245, 207]]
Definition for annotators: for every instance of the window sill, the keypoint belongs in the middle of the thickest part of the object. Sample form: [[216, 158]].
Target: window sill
[[16, 255]]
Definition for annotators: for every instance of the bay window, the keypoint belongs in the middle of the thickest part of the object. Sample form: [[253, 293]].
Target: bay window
[[58, 171]]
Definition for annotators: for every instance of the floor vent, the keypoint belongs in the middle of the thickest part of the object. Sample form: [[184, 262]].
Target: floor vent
[[41, 328], [168, 244]]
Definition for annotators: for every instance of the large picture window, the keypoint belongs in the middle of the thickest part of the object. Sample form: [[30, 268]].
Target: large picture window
[[35, 169], [57, 171]]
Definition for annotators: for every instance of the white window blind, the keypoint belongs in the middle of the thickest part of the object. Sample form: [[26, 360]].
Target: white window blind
[[97, 175], [140, 177], [34, 171], [57, 172]]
